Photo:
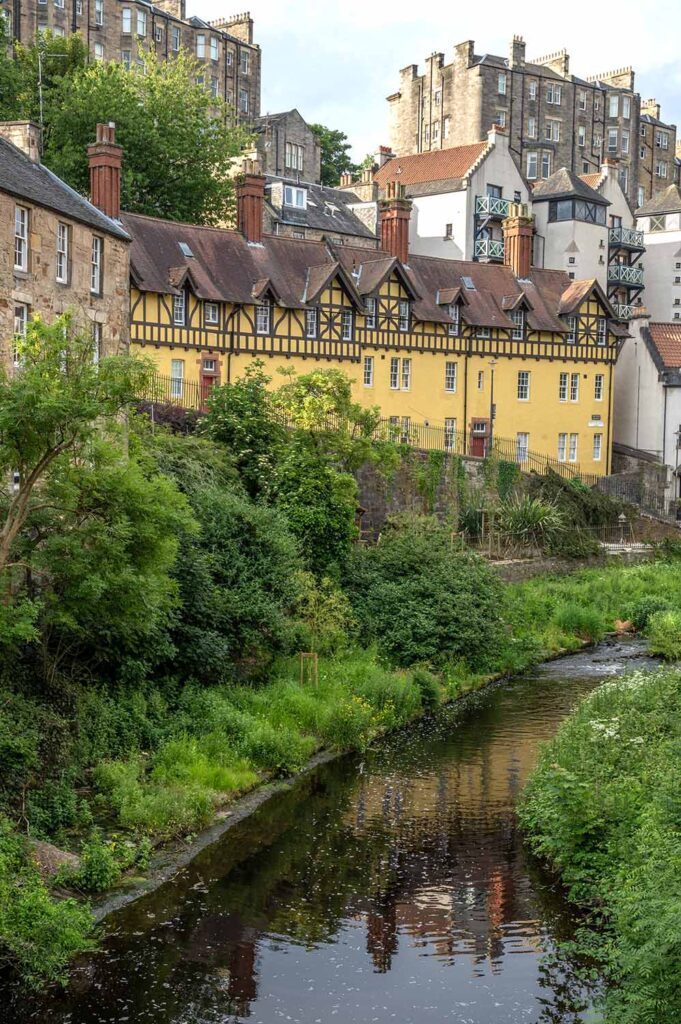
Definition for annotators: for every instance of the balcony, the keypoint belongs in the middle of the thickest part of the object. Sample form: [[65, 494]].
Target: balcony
[[621, 273], [626, 238], [623, 311], [489, 249], [492, 206]]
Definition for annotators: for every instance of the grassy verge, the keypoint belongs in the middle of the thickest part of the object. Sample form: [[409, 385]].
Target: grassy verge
[[111, 774], [603, 808]]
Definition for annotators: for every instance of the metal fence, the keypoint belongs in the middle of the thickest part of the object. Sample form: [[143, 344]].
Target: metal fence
[[635, 491]]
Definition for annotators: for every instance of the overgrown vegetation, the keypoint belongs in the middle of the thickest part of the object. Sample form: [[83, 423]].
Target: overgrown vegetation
[[160, 589], [603, 809]]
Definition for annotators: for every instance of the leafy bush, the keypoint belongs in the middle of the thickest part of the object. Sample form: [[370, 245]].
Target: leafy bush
[[641, 612], [429, 688], [38, 935], [602, 807], [529, 520], [422, 601], [578, 620], [664, 634]]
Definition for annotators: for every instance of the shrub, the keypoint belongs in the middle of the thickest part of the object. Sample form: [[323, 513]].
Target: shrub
[[99, 867], [429, 688], [664, 634], [641, 612], [529, 520], [578, 620]]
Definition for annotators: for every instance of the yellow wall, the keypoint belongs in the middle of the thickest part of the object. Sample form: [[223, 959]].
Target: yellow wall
[[233, 344]]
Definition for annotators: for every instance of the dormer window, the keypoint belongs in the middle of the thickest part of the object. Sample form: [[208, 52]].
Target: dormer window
[[370, 314], [180, 309], [453, 329], [518, 318], [263, 318], [295, 197], [405, 315], [311, 321]]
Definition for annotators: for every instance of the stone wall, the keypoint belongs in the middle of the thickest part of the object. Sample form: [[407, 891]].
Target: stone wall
[[38, 289], [274, 133]]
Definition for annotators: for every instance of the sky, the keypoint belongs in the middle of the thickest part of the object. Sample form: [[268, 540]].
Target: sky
[[337, 63]]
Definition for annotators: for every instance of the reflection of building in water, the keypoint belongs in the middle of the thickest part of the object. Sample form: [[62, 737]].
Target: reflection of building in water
[[223, 941]]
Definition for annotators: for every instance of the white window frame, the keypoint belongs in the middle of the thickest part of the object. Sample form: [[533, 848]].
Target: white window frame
[[21, 318], [180, 309], [546, 164], [21, 235], [523, 386], [613, 105], [562, 447], [624, 141], [97, 333], [368, 373], [245, 63], [62, 261], [370, 313], [602, 331], [175, 39], [99, 51], [263, 318], [597, 447], [295, 197], [582, 99], [99, 12], [211, 313], [613, 140], [573, 448], [454, 329], [662, 140], [532, 165], [405, 375], [347, 325], [141, 22], [563, 384], [201, 46], [449, 432], [532, 127], [214, 48], [626, 107], [571, 338], [574, 387], [532, 90], [481, 380], [554, 94], [518, 318], [311, 322], [581, 136], [501, 83], [522, 446], [404, 315], [451, 376], [126, 21], [96, 259], [599, 387], [394, 379], [176, 377]]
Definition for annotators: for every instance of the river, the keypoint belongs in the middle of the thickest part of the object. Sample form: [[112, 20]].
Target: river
[[392, 887]]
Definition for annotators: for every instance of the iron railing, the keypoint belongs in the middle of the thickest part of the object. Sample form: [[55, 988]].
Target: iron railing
[[185, 394], [489, 248], [622, 273], [629, 237], [623, 310], [492, 206]]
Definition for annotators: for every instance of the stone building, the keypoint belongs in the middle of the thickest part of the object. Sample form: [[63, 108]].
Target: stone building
[[116, 29], [59, 252], [553, 118], [657, 153], [303, 209], [286, 147]]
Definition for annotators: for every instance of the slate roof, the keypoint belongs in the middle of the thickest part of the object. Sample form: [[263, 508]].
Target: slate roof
[[35, 183], [327, 209], [668, 201], [226, 267], [563, 184], [438, 165], [666, 338]]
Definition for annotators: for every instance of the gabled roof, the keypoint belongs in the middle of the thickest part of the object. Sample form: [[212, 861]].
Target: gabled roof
[[438, 165], [666, 337], [668, 201], [226, 267], [35, 183], [564, 184], [578, 291], [593, 180], [327, 209]]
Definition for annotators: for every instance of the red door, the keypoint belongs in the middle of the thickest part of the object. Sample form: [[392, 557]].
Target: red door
[[479, 435]]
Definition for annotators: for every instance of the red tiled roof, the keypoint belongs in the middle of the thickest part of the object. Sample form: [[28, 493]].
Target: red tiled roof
[[592, 180], [438, 165], [667, 340]]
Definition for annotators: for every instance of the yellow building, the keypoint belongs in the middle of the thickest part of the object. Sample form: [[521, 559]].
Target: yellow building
[[473, 349]]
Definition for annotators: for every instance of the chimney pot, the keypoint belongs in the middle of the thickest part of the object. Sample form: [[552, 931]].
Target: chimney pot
[[394, 213], [250, 201], [106, 158]]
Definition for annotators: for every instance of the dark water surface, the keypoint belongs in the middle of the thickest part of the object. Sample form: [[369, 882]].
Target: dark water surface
[[389, 888]]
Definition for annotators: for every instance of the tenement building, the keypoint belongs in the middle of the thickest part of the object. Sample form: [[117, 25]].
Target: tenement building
[[118, 29], [58, 252], [553, 118], [477, 350], [657, 153]]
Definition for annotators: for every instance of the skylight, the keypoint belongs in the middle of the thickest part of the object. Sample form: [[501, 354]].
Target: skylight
[[185, 249], [468, 283]]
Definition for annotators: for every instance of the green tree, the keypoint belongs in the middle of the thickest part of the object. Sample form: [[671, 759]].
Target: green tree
[[9, 79], [335, 154], [178, 146], [44, 67]]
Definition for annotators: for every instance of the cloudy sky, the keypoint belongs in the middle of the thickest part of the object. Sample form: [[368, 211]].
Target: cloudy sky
[[337, 62]]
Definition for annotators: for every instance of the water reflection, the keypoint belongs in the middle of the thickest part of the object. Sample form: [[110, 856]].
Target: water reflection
[[390, 889]]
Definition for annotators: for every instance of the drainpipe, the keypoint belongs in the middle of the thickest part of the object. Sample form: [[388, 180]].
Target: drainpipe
[[465, 402]]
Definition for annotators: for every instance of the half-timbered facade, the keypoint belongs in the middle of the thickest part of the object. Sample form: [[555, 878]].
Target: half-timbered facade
[[466, 347]]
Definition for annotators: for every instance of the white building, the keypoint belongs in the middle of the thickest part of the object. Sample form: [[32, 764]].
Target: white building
[[647, 409], [459, 198], [571, 227], [660, 221]]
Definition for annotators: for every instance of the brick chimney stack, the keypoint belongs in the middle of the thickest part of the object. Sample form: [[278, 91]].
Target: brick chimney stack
[[518, 230], [250, 201], [394, 213], [105, 158]]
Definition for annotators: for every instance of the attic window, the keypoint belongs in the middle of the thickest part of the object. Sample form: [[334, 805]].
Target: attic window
[[468, 283], [295, 197], [185, 249]]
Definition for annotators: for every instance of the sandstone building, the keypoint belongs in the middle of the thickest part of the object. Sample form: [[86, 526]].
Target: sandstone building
[[657, 153], [554, 119], [59, 252], [116, 29], [286, 147]]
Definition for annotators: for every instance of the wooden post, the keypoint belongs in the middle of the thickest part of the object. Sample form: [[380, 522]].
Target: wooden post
[[311, 660]]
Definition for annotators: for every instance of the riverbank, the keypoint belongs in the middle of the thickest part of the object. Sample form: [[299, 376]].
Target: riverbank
[[180, 761], [602, 808]]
